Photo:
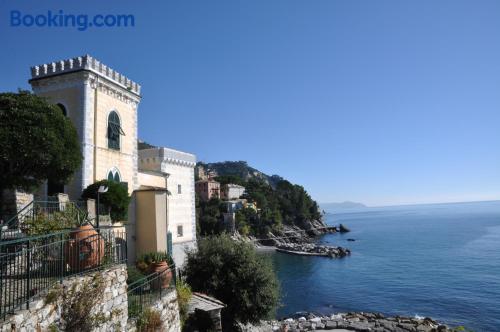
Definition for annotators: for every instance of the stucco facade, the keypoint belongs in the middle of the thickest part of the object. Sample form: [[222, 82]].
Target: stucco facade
[[103, 104], [181, 200], [89, 91], [148, 179], [151, 207]]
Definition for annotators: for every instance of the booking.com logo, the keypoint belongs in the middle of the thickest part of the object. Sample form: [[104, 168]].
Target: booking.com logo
[[59, 19]]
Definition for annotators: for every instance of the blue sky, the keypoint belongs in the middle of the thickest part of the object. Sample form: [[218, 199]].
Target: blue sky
[[382, 102]]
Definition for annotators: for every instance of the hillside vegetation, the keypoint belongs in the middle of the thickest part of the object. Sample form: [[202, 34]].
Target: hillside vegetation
[[240, 169], [280, 203]]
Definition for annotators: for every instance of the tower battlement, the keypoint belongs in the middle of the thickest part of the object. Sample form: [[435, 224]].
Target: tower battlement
[[88, 63]]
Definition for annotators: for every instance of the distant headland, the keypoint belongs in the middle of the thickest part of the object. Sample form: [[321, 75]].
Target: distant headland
[[341, 206]]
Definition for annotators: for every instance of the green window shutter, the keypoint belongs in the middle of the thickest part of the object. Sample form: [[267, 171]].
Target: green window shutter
[[114, 131], [169, 243]]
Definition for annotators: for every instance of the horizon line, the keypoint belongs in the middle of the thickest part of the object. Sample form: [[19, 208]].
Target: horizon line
[[411, 204]]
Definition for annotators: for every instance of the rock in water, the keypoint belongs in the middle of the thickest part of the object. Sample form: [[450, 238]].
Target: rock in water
[[343, 229]]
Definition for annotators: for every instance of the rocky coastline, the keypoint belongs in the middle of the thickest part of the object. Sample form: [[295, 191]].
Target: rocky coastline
[[310, 249], [301, 240], [343, 322]]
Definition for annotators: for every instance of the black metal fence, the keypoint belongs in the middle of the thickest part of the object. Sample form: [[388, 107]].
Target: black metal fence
[[31, 265], [10, 228], [144, 292]]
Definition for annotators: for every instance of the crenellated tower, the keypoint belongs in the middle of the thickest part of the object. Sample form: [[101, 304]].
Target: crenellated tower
[[102, 104]]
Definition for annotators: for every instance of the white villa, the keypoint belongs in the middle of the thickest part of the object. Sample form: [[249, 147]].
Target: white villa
[[103, 106]]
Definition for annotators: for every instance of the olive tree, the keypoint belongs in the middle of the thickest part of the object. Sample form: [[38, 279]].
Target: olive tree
[[235, 274]]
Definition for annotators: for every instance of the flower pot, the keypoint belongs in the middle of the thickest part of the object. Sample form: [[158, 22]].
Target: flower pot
[[85, 248], [164, 275]]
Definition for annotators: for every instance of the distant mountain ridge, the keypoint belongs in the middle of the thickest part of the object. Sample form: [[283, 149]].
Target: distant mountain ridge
[[240, 169], [336, 206]]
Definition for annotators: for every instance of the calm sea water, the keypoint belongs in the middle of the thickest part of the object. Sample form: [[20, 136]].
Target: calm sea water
[[441, 261]]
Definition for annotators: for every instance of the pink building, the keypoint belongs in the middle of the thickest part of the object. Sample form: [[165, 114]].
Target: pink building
[[207, 189]]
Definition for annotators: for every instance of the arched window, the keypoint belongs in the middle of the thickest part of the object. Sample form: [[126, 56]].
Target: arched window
[[114, 131], [114, 175], [63, 109]]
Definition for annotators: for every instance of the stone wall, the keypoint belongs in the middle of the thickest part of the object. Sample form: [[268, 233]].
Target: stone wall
[[12, 202], [168, 307], [113, 303]]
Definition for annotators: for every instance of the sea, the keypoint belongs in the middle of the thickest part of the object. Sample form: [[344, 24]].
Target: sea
[[440, 261]]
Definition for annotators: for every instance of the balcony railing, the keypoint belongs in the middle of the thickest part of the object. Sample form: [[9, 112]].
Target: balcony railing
[[30, 265], [144, 292]]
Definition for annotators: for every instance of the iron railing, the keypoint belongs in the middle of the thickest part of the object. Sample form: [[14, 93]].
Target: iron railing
[[31, 265], [144, 292], [10, 229]]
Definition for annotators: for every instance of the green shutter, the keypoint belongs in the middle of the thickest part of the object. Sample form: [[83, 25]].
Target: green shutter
[[169, 243]]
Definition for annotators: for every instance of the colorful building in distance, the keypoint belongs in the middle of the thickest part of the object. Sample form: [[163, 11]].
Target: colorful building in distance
[[231, 191], [207, 189]]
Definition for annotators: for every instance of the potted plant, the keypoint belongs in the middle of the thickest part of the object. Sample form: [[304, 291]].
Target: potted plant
[[157, 262], [85, 248]]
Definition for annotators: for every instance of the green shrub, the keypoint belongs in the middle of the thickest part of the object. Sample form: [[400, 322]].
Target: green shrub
[[149, 320], [53, 328], [44, 223], [53, 295], [234, 273], [41, 224], [116, 198], [77, 302], [155, 257], [134, 306], [183, 296], [134, 274]]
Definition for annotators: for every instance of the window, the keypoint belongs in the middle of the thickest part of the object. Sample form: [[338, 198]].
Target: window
[[179, 189], [114, 175], [63, 109], [114, 131], [179, 231]]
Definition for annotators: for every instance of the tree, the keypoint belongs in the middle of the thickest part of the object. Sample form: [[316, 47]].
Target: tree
[[285, 203], [234, 179], [37, 142], [116, 198], [210, 220], [234, 273], [245, 219]]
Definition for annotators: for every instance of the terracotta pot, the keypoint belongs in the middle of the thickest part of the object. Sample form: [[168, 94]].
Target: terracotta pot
[[164, 277], [85, 248]]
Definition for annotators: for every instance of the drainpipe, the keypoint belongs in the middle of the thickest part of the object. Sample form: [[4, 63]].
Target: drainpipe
[[166, 176], [95, 128]]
